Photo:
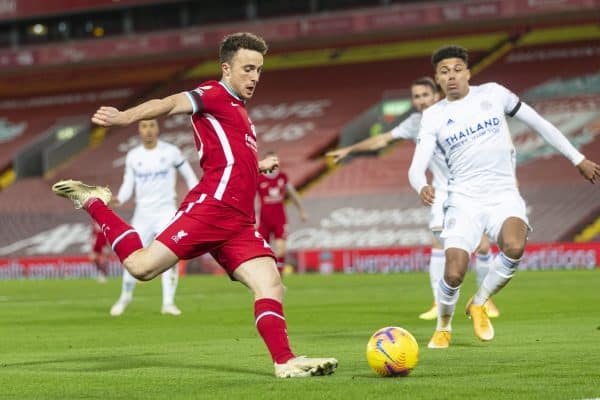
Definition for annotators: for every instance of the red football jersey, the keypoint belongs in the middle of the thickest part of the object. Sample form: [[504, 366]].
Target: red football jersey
[[272, 189], [226, 142]]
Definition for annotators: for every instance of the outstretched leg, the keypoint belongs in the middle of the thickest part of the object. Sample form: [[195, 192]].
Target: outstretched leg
[[260, 275], [512, 239], [143, 263]]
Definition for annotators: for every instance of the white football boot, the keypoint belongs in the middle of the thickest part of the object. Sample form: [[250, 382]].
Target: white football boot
[[302, 367], [79, 192]]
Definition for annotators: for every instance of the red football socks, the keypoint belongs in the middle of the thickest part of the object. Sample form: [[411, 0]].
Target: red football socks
[[270, 323], [123, 238]]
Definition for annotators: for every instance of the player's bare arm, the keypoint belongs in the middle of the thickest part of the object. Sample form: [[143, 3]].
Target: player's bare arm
[[291, 190], [589, 170], [369, 144], [175, 104], [268, 164]]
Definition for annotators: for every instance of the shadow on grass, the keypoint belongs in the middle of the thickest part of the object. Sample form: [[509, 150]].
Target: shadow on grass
[[126, 362]]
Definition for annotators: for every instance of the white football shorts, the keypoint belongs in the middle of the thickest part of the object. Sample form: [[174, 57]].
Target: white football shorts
[[466, 219], [149, 223]]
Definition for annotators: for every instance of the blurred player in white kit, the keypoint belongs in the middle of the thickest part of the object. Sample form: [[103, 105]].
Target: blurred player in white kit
[[150, 172]]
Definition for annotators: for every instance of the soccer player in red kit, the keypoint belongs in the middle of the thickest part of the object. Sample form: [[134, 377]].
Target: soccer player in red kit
[[217, 215], [272, 189], [97, 255]]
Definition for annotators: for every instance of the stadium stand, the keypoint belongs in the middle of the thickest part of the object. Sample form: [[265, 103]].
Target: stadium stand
[[305, 99], [538, 57]]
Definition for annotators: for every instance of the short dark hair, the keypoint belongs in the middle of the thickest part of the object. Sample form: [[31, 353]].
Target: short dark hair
[[452, 51], [241, 40], [426, 81]]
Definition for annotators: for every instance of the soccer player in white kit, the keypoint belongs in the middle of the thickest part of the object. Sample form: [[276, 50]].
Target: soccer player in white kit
[[150, 172], [424, 93], [469, 127]]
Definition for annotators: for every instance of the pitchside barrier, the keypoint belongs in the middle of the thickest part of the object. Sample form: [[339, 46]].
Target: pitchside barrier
[[538, 256]]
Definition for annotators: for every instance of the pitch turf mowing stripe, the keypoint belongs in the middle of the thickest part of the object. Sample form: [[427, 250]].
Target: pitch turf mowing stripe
[[64, 345]]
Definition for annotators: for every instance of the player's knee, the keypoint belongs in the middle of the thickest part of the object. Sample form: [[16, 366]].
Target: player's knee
[[453, 278], [274, 287], [453, 274], [513, 248], [138, 270]]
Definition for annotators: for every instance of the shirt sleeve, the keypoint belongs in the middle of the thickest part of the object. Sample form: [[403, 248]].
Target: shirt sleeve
[[508, 99], [126, 189], [549, 132], [203, 98], [426, 141], [407, 129], [195, 98]]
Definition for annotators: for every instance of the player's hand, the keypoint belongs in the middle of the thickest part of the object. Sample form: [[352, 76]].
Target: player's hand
[[268, 164], [303, 215], [427, 195], [114, 203], [589, 170], [338, 155], [109, 116]]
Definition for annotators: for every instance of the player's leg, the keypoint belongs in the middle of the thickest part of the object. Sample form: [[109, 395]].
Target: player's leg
[[279, 250], [461, 235], [169, 278], [511, 241], [260, 275], [142, 224], [127, 287], [279, 231], [483, 262], [143, 264], [448, 292], [97, 257], [483, 258], [437, 262], [508, 223], [101, 268]]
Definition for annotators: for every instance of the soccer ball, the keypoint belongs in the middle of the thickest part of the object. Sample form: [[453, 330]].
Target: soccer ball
[[392, 351]]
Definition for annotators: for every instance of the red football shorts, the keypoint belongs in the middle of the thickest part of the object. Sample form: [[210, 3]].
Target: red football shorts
[[205, 225], [273, 223]]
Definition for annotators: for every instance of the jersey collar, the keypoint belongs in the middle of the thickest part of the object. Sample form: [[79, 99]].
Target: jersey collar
[[230, 91]]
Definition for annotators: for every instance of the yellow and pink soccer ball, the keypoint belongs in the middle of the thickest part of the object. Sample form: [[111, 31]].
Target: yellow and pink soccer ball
[[392, 351]]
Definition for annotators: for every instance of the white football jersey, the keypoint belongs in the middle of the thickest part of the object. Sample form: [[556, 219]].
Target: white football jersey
[[409, 129], [473, 135], [152, 174]]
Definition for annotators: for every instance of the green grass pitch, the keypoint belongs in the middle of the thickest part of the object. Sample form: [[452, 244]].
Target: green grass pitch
[[57, 340]]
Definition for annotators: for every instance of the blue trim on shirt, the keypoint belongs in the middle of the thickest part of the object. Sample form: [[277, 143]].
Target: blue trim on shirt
[[230, 91]]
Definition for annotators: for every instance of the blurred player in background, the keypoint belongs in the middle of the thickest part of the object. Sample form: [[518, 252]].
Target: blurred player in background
[[424, 93], [97, 256], [469, 127], [272, 189], [217, 216], [150, 172]]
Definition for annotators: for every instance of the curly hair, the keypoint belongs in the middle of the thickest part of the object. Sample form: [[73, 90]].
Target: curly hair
[[452, 51], [241, 40]]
